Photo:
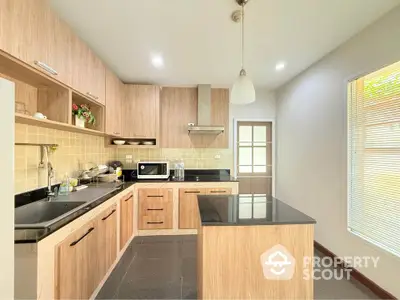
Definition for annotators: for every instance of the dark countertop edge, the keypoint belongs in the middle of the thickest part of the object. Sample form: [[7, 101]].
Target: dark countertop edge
[[216, 224], [82, 212]]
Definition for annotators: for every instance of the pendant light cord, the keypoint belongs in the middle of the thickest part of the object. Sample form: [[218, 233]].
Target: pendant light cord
[[242, 35]]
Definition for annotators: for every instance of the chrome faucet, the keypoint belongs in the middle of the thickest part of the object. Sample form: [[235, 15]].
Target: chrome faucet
[[50, 174]]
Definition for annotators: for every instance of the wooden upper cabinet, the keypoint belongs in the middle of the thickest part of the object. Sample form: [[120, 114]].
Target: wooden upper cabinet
[[88, 71], [114, 95], [179, 107], [37, 36], [140, 111], [19, 28]]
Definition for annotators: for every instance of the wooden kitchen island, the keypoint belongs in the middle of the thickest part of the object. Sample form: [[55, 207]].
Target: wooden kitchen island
[[253, 247]]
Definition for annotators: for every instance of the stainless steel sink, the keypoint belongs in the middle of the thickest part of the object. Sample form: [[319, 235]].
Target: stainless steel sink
[[41, 213]]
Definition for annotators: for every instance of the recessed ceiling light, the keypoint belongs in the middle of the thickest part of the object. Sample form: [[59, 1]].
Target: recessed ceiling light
[[157, 61], [280, 66]]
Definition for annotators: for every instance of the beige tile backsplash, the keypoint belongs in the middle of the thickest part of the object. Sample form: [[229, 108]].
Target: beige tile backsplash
[[194, 158], [76, 149]]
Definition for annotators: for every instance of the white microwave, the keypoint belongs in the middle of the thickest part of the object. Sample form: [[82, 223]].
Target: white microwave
[[153, 170]]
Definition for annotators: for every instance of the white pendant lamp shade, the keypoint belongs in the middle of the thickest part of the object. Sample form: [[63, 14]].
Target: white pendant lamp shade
[[243, 91]]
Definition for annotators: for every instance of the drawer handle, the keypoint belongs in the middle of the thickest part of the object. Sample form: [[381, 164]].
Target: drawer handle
[[117, 133], [155, 196], [45, 67], [92, 96], [192, 192], [217, 192], [161, 222], [106, 217], [82, 237], [130, 197], [155, 209]]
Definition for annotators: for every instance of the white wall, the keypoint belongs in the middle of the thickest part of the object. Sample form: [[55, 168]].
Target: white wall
[[7, 95], [312, 149], [263, 108]]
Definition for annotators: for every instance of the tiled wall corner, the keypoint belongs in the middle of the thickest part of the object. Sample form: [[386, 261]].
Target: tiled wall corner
[[74, 151]]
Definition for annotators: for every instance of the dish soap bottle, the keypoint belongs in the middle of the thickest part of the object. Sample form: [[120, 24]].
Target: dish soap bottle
[[64, 186]]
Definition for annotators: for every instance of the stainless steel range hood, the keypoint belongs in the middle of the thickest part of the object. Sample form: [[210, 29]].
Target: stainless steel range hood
[[204, 125]]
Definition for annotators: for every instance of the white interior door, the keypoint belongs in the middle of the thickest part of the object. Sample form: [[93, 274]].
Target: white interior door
[[254, 157]]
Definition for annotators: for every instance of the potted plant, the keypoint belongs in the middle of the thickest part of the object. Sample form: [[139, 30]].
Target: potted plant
[[82, 115]]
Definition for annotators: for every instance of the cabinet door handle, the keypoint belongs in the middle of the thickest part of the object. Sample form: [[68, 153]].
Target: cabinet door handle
[[161, 222], [117, 133], [217, 191], [155, 196], [192, 192], [45, 67], [155, 209], [92, 96], [82, 237], [130, 197], [106, 217]]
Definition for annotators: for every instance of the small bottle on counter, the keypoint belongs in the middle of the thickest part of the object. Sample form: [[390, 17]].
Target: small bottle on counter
[[64, 186]]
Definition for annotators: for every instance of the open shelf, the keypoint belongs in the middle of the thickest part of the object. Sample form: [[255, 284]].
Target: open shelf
[[28, 120], [109, 143]]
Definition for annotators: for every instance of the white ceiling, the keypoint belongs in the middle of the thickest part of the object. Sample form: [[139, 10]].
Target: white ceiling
[[200, 44]]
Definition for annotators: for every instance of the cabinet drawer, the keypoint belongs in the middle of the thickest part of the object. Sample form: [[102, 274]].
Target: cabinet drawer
[[155, 221], [219, 191], [155, 208]]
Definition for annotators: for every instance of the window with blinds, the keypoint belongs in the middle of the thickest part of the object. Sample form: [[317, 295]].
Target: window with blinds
[[374, 158]]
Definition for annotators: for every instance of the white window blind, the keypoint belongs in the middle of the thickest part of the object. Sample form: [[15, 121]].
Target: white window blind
[[374, 158]]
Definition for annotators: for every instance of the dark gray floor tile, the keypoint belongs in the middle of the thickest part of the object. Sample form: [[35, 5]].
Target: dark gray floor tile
[[146, 288], [189, 271], [189, 249], [170, 250], [189, 238], [189, 292], [154, 269], [161, 239]]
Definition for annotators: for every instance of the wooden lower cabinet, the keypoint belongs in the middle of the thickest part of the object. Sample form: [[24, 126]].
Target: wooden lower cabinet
[[106, 240], [188, 208], [219, 191], [155, 208], [76, 265], [126, 220]]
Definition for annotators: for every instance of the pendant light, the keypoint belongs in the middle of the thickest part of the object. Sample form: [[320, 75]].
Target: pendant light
[[243, 89]]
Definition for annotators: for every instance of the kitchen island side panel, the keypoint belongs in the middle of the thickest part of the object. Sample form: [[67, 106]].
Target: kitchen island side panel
[[230, 264]]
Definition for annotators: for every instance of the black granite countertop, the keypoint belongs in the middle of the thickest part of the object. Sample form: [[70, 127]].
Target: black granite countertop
[[34, 235], [191, 175], [242, 210]]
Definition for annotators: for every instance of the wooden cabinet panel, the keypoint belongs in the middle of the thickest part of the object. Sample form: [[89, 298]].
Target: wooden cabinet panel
[[76, 264], [140, 111], [179, 107], [219, 191], [106, 240], [88, 72], [155, 209], [114, 94], [33, 33], [188, 208], [126, 220]]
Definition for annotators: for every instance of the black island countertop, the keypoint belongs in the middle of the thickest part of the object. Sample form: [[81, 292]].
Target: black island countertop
[[248, 210]]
